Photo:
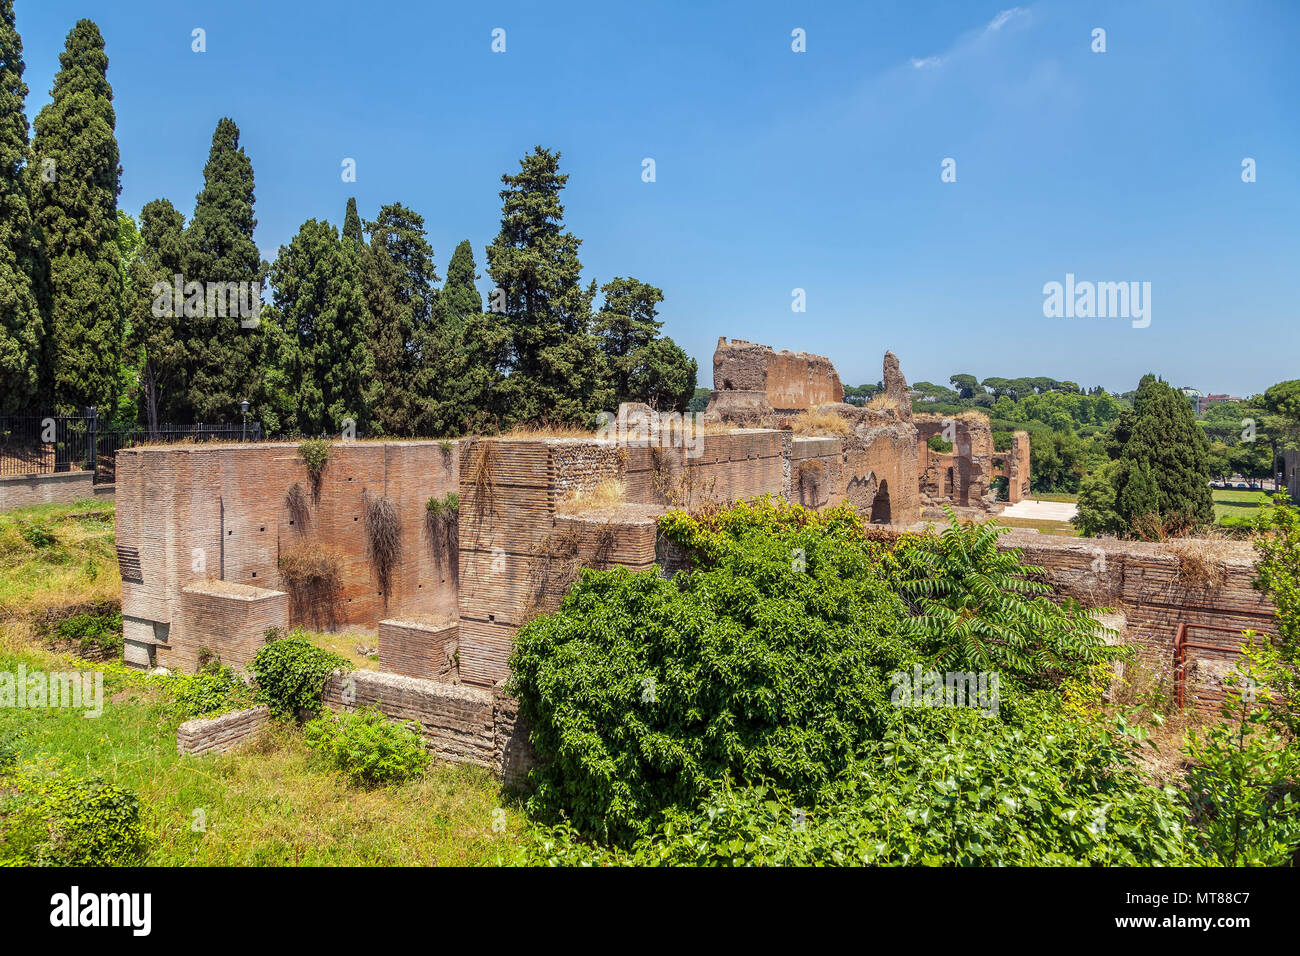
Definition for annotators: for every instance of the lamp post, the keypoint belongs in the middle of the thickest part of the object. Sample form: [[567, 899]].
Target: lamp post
[[243, 408]]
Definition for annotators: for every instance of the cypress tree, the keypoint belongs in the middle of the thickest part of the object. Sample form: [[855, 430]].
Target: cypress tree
[[352, 223], [401, 298], [75, 185], [320, 307], [222, 350], [156, 328], [474, 347], [1167, 445], [21, 325], [558, 371]]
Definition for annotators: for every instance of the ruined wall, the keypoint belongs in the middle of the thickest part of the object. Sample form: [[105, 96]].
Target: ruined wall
[[971, 458], [792, 381], [223, 619], [192, 513], [419, 649], [23, 491], [1014, 466]]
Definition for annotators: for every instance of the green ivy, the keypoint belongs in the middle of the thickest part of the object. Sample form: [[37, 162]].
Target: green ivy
[[291, 673], [55, 819]]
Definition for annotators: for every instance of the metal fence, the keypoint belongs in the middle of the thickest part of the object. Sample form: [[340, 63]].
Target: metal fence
[[36, 444]]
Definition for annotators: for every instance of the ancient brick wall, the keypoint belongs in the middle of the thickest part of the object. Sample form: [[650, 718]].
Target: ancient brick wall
[[461, 724], [792, 381], [224, 619], [419, 649], [971, 458], [1014, 466], [221, 734], [24, 491], [190, 513]]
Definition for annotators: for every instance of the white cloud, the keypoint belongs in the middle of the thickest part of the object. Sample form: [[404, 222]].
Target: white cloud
[[1001, 20], [926, 62]]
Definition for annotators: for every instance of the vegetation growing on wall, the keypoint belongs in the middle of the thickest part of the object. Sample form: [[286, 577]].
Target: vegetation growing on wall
[[313, 576], [315, 454], [383, 540]]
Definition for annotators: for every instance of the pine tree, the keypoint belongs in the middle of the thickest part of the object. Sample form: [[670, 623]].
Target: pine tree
[[21, 325], [558, 371], [222, 349], [401, 299], [75, 185], [320, 307], [352, 223], [643, 367], [155, 327], [460, 297]]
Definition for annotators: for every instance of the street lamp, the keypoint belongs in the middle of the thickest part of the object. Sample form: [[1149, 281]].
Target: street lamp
[[243, 408]]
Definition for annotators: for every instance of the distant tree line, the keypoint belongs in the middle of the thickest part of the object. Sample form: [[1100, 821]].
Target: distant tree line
[[176, 321]]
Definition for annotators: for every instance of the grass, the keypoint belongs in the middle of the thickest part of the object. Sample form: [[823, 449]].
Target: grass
[[272, 804], [1054, 496], [1236, 503], [608, 493], [275, 803], [54, 557], [819, 422], [1061, 528]]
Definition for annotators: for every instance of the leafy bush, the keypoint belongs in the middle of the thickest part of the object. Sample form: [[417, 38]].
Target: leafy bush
[[212, 691], [291, 673], [976, 607], [368, 747], [768, 661], [1244, 785], [36, 536], [957, 789], [315, 453], [53, 819], [93, 632]]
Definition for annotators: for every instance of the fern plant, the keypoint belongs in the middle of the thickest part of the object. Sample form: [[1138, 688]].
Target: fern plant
[[977, 607]]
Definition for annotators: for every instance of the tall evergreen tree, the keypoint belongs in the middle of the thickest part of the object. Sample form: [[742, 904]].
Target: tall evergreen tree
[[642, 366], [222, 351], [76, 183], [156, 329], [398, 276], [1168, 450], [558, 371], [21, 324], [352, 223], [320, 307], [473, 349]]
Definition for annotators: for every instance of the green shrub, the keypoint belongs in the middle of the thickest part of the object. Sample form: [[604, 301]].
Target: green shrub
[[369, 748], [315, 453], [291, 673], [36, 536], [93, 632], [212, 691], [768, 661], [977, 608], [53, 819], [959, 790]]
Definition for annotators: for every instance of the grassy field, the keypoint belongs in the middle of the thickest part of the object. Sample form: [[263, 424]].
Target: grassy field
[[271, 804], [1237, 503]]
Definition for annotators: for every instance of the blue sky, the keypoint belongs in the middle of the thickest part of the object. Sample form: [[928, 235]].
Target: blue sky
[[779, 170]]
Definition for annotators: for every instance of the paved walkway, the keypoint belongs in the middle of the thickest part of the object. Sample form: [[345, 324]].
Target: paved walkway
[[1041, 510]]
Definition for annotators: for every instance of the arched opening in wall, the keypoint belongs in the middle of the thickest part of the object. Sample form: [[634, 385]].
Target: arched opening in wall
[[880, 505]]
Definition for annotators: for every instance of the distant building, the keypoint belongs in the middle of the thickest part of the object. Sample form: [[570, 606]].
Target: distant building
[[1200, 401]]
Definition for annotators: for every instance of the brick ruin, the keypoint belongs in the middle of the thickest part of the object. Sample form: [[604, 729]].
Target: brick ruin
[[219, 543]]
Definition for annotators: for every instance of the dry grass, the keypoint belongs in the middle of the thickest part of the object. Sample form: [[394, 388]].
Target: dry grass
[[383, 539], [1197, 565], [609, 493], [540, 431], [882, 403], [313, 577], [820, 422]]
